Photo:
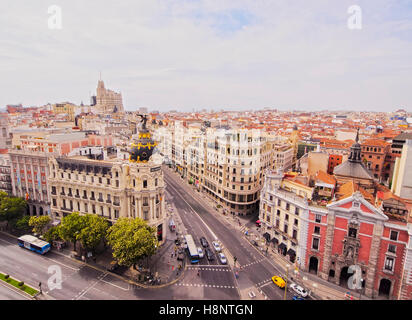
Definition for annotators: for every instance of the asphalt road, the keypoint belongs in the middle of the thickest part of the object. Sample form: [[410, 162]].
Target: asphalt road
[[7, 293], [256, 268]]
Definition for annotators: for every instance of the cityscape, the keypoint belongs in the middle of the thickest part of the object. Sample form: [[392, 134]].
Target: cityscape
[[110, 198]]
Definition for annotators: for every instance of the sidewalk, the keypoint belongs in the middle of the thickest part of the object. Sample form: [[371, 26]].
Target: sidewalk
[[320, 289]]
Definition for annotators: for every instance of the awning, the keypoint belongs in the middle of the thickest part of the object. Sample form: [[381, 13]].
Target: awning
[[291, 252], [274, 240], [266, 236], [282, 246]]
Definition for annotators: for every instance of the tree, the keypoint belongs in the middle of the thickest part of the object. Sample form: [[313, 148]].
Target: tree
[[131, 240], [22, 223], [52, 234], [71, 226], [11, 208], [39, 223], [94, 231]]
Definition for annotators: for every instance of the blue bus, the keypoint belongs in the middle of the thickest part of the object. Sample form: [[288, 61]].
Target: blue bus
[[34, 244], [191, 249]]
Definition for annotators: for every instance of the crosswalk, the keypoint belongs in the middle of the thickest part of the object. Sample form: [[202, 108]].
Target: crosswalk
[[204, 285], [208, 268], [252, 263]]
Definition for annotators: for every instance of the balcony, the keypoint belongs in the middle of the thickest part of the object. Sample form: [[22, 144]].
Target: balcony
[[100, 200], [77, 196], [84, 197], [108, 201], [66, 209], [92, 198], [116, 204]]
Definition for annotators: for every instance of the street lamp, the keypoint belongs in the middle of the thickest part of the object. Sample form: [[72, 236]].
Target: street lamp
[[360, 290], [286, 280]]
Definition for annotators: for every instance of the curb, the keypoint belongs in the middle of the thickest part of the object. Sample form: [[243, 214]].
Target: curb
[[13, 288], [111, 273]]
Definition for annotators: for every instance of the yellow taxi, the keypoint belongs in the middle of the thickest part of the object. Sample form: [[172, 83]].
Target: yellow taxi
[[279, 281]]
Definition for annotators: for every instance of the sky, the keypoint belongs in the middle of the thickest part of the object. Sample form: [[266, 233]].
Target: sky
[[209, 54]]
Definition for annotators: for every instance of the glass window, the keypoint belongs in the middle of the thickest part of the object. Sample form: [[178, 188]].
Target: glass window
[[394, 235]]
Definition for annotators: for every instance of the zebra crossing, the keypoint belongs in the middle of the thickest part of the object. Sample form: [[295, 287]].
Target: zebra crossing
[[204, 285], [252, 263], [208, 268]]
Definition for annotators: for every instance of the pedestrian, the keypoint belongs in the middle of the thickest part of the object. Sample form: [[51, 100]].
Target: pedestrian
[[198, 273]]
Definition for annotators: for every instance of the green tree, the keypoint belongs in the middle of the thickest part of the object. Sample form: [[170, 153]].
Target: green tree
[[71, 226], [52, 234], [22, 223], [94, 231], [11, 208], [39, 223], [131, 240]]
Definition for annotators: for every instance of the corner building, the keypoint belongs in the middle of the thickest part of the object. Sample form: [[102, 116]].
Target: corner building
[[112, 189]]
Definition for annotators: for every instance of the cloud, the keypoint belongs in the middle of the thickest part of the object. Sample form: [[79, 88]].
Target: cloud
[[206, 53]]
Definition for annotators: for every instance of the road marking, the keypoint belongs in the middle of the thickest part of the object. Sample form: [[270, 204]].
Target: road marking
[[115, 285], [75, 269], [15, 291]]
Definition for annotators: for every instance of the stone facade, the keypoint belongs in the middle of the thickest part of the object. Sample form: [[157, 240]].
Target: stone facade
[[108, 101], [112, 189]]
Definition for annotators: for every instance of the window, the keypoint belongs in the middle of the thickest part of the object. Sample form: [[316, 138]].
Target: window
[[392, 248], [285, 228], [287, 206], [318, 218], [297, 211], [394, 235], [296, 222], [54, 203], [317, 230], [315, 243], [278, 213], [352, 232], [286, 217], [295, 234], [279, 202], [389, 263]]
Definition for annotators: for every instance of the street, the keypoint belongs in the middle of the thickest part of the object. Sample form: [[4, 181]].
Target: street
[[256, 270]]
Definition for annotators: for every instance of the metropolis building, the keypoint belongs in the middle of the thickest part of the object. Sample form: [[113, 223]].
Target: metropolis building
[[111, 188]]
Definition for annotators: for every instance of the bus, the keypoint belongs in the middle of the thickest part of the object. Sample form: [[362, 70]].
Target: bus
[[191, 249], [34, 244]]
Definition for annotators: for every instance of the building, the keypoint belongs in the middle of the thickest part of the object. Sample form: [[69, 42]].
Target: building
[[5, 138], [402, 176], [5, 177], [334, 226], [113, 188], [65, 108], [108, 101], [29, 163], [374, 154]]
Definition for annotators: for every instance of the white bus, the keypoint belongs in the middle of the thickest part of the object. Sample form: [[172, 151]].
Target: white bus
[[192, 249], [34, 244]]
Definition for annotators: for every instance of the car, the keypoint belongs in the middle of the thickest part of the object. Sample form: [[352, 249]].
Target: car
[[112, 266], [255, 243], [200, 252], [299, 290], [222, 258], [209, 254], [279, 281], [204, 242], [297, 298], [216, 246]]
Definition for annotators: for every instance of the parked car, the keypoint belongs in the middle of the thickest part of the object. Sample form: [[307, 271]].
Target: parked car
[[279, 281], [113, 266], [297, 298], [204, 242], [222, 258], [209, 254], [200, 251], [299, 290], [255, 243], [216, 246]]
